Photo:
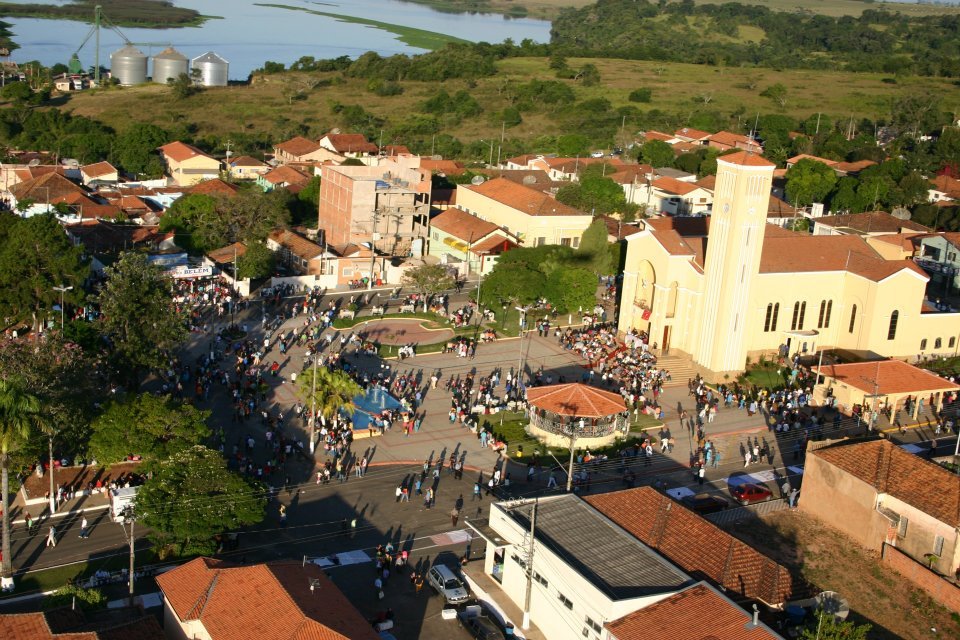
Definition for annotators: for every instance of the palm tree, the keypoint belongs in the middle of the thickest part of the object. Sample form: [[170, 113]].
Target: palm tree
[[19, 412], [335, 391]]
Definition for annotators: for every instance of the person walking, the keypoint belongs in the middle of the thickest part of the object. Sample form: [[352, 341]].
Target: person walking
[[84, 529], [454, 517], [701, 472], [52, 537], [29, 523], [405, 494], [476, 492]]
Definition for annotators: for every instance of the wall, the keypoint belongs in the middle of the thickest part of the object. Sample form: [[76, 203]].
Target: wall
[[842, 501], [945, 592], [554, 229], [174, 629], [921, 533]]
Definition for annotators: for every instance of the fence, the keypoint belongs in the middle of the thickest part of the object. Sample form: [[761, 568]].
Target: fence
[[937, 586]]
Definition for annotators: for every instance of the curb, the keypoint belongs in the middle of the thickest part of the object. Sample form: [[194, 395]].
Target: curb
[[62, 514]]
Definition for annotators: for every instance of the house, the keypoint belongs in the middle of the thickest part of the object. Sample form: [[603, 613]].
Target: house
[[72, 624], [700, 612], [665, 195], [939, 256], [456, 237], [246, 168], [578, 585], [226, 257], [560, 169], [300, 254], [283, 177], [298, 149], [768, 290], [688, 134], [780, 212], [944, 189], [617, 230], [215, 600], [103, 237], [727, 141], [390, 200], [42, 194], [870, 223], [98, 172], [532, 216], [440, 167], [882, 496], [900, 246], [348, 145], [186, 165], [839, 166]]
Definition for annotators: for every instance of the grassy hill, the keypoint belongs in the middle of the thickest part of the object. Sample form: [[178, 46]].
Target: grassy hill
[[264, 110]]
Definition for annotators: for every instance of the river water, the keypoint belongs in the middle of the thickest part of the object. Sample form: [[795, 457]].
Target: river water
[[248, 34]]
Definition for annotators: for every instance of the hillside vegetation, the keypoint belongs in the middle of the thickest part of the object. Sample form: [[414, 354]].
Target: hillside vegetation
[[734, 34], [132, 13]]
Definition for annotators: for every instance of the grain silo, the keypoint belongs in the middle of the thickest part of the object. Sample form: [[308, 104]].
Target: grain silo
[[128, 65], [169, 64], [213, 69]]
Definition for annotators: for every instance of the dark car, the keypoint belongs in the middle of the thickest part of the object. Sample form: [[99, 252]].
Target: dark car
[[705, 503], [481, 627], [748, 493]]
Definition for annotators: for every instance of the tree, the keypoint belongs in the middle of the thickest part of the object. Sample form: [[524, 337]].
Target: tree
[[656, 153], [183, 86], [593, 245], [138, 317], [19, 413], [72, 595], [573, 145], [37, 256], [192, 497], [428, 280], [589, 75], [215, 221], [776, 92], [335, 392], [829, 628], [571, 289], [809, 181], [135, 150], [154, 427], [257, 262], [642, 94]]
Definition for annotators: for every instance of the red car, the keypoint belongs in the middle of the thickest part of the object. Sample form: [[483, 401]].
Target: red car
[[749, 493]]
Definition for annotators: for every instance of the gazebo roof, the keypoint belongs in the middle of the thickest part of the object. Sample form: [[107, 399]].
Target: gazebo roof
[[575, 399]]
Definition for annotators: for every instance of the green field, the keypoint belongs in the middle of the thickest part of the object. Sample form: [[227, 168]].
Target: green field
[[420, 38], [682, 89]]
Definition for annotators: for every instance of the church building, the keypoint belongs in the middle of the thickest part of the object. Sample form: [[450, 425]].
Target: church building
[[729, 287]]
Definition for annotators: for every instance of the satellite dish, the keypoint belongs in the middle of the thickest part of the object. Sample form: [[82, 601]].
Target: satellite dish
[[34, 163], [529, 180], [832, 603], [477, 180]]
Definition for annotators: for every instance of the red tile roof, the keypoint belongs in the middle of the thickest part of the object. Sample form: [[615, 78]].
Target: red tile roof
[[691, 134], [298, 146], [708, 182], [246, 161], [577, 400], [777, 208], [296, 244], [889, 469], [227, 254], [674, 186], [271, 601], [285, 174], [180, 151], [495, 244], [446, 167], [854, 167], [350, 143], [746, 159], [214, 186], [45, 188], [51, 625], [462, 225], [807, 156], [730, 139], [98, 169], [948, 185], [697, 613], [871, 222], [522, 198], [892, 376], [697, 546], [792, 253], [656, 135]]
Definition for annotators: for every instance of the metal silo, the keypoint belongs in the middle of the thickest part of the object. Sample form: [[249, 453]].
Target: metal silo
[[213, 69], [169, 64], [129, 65]]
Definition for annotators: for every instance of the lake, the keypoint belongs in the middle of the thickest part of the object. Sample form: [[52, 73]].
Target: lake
[[248, 35]]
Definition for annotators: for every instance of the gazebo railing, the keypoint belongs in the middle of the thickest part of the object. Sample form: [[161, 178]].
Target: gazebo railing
[[581, 427]]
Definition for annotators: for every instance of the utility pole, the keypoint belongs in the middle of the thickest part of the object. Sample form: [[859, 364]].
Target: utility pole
[[526, 600], [53, 493], [96, 58], [128, 517], [62, 289], [373, 246], [313, 404], [573, 445]]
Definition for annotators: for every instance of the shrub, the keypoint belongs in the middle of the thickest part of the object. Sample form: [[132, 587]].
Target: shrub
[[640, 95]]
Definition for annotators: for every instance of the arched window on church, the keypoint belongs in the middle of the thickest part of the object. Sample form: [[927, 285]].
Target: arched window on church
[[826, 321], [823, 312], [938, 344], [892, 329], [796, 316], [776, 315], [923, 345], [853, 318], [767, 318], [803, 312]]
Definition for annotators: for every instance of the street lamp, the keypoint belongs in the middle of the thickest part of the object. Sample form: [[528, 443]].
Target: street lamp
[[62, 290], [313, 403]]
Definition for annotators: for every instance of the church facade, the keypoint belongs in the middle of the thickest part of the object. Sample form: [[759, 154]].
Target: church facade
[[731, 287]]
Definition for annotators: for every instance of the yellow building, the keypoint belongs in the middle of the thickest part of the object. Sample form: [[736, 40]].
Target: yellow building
[[532, 215], [731, 287], [186, 165]]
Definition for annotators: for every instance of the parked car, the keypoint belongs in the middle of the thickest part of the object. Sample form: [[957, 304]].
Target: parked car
[[597, 154], [480, 626], [705, 503], [748, 493], [445, 582]]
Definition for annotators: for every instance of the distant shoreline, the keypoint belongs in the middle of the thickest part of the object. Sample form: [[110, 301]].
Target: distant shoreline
[[143, 14]]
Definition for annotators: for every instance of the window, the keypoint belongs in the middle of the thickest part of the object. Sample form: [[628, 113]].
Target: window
[[566, 242], [923, 345], [567, 602], [952, 341], [766, 321], [776, 314], [938, 343], [348, 271], [576, 243], [902, 527], [520, 561], [892, 329], [540, 242], [853, 318], [938, 546], [823, 313], [796, 314], [826, 322], [539, 578], [436, 236], [803, 312], [592, 624]]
